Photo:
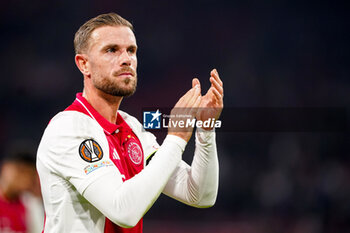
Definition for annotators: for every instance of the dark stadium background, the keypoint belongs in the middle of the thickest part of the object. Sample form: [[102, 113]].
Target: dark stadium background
[[269, 54]]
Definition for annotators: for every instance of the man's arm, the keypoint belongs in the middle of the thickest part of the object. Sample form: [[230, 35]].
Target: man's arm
[[124, 203], [197, 185]]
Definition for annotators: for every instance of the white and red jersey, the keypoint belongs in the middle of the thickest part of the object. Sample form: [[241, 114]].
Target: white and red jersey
[[93, 175], [13, 216], [125, 149], [22, 215]]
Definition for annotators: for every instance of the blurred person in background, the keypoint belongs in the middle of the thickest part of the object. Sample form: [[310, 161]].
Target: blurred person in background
[[21, 209]]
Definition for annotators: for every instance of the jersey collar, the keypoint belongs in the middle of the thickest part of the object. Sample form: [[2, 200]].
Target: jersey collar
[[107, 126]]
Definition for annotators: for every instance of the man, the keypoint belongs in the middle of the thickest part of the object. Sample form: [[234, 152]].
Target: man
[[18, 189], [92, 156]]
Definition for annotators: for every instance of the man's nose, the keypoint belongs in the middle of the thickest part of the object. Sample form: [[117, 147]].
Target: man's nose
[[125, 59]]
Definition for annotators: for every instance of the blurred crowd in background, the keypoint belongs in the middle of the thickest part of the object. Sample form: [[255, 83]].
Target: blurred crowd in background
[[268, 53]]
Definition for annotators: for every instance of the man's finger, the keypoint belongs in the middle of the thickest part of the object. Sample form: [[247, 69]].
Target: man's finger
[[189, 98], [195, 107], [192, 98], [197, 102], [216, 94], [184, 99], [214, 73], [216, 85], [195, 82]]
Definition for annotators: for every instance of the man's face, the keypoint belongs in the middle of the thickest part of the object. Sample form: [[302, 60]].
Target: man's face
[[112, 60], [18, 177]]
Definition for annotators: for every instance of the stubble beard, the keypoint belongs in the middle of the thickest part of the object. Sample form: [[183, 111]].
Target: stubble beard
[[112, 87]]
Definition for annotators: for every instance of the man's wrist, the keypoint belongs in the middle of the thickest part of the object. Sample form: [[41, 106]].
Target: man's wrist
[[183, 135], [204, 136], [177, 140]]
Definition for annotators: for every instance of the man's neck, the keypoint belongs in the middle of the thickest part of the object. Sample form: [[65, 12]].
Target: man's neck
[[105, 104]]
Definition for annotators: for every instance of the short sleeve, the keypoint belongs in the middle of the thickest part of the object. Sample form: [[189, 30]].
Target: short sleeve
[[75, 148]]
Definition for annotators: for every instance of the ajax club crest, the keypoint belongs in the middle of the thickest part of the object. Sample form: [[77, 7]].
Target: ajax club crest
[[135, 152]]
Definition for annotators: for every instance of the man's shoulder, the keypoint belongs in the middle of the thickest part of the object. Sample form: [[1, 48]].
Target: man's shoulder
[[71, 117], [72, 122], [131, 120], [124, 114]]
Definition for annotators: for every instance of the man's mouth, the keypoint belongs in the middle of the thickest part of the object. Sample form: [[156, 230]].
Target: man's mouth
[[125, 74]]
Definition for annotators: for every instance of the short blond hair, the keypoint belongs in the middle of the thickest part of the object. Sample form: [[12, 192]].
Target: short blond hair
[[82, 36]]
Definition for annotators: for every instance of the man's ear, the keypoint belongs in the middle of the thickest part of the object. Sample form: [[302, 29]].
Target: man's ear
[[82, 63]]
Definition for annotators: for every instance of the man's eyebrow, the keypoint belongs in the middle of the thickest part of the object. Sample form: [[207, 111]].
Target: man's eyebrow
[[133, 47], [117, 46], [110, 46]]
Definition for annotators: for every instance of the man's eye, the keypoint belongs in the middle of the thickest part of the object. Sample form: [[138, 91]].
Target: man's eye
[[132, 51], [111, 50]]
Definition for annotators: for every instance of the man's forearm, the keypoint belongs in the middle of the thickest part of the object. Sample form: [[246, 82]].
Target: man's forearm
[[126, 203], [197, 185]]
